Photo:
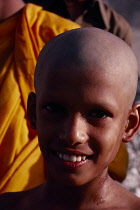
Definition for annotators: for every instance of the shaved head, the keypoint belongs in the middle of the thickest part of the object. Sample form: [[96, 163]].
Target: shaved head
[[93, 51]]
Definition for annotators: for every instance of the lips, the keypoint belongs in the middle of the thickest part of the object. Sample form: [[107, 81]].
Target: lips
[[71, 159]]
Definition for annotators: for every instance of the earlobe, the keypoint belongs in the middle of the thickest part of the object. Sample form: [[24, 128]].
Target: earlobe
[[31, 109], [133, 123]]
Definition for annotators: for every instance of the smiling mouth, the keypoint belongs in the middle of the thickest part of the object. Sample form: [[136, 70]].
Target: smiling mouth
[[72, 158]]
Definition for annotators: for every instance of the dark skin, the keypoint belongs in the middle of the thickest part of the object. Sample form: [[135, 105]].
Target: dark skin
[[9, 8], [82, 111]]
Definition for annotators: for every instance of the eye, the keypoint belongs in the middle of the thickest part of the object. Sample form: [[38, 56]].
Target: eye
[[54, 108], [98, 114]]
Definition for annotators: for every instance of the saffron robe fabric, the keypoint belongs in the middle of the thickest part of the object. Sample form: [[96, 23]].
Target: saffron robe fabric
[[21, 39]]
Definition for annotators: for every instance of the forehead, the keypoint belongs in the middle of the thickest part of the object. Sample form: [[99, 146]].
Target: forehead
[[88, 84], [82, 57], [69, 75], [81, 67]]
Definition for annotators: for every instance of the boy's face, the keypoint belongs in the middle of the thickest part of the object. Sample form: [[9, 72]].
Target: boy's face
[[81, 118]]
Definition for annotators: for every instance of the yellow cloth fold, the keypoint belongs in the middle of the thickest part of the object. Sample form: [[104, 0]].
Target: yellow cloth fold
[[21, 39]]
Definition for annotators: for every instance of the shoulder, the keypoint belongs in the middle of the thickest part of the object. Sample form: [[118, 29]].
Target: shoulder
[[36, 14], [132, 201], [20, 200], [124, 198], [43, 25], [11, 201]]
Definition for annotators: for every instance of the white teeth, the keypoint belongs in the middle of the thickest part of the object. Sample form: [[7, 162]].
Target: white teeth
[[71, 158], [60, 156], [79, 158], [66, 157], [83, 157]]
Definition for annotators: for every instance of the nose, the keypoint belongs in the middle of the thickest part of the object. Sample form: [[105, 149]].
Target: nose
[[74, 131]]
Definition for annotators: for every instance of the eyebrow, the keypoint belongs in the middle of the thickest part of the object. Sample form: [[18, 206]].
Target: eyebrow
[[101, 104]]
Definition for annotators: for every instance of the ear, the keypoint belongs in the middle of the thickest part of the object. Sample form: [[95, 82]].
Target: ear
[[133, 123], [31, 109]]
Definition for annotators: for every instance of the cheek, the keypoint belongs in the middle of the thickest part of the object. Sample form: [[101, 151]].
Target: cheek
[[44, 127], [44, 135], [47, 135], [107, 141]]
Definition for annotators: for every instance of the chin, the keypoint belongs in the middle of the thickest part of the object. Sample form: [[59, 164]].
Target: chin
[[72, 179]]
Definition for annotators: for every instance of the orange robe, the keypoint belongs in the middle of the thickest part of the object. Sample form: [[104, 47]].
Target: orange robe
[[21, 39]]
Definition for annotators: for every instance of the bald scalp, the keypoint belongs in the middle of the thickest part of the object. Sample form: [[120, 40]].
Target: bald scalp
[[86, 48]]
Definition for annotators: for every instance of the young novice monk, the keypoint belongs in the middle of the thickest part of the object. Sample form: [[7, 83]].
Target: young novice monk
[[85, 84]]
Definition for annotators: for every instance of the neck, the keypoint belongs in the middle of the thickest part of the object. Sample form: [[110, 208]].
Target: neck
[[74, 197], [9, 8]]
